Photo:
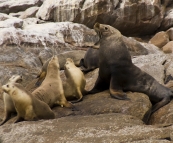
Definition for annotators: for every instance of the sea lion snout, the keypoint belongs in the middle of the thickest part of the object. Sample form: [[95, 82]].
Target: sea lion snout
[[96, 25]]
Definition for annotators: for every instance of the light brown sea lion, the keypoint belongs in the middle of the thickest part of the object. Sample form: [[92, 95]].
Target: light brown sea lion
[[90, 60], [51, 90], [118, 73], [74, 87], [8, 103], [27, 106], [76, 55]]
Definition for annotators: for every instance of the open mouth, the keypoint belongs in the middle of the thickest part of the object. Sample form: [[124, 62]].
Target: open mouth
[[19, 80]]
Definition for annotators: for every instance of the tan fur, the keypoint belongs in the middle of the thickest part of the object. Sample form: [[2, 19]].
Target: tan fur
[[27, 106], [51, 90], [8, 103], [74, 86]]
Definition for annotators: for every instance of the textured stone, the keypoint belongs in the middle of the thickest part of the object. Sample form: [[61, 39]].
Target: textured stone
[[160, 39], [99, 128], [30, 12], [168, 48], [12, 6], [144, 16]]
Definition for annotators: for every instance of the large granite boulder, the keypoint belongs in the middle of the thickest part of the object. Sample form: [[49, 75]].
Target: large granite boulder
[[99, 128], [144, 16]]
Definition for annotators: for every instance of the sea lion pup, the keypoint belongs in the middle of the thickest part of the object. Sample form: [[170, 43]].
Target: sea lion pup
[[27, 106], [90, 60], [118, 73], [74, 86], [76, 55], [8, 103], [51, 90]]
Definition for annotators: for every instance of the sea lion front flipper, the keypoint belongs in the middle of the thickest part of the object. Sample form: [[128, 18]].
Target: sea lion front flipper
[[80, 96], [99, 86], [6, 118], [19, 119], [116, 91]]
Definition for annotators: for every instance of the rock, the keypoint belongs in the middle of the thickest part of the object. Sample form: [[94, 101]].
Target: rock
[[18, 14], [169, 68], [50, 34], [99, 128], [152, 49], [135, 48], [160, 39], [168, 48], [12, 6], [46, 11], [12, 22], [153, 64], [4, 16], [76, 55], [170, 33], [168, 20], [30, 21], [30, 12], [163, 116], [144, 17]]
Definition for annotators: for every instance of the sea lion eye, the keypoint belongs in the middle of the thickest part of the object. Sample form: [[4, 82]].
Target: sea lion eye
[[7, 85], [106, 28]]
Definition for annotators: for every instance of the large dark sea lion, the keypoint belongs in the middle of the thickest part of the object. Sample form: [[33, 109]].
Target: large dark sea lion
[[119, 74]]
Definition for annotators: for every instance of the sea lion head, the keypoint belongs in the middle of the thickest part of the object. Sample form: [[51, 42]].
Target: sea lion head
[[69, 62], [54, 62], [16, 78], [104, 30], [7, 87]]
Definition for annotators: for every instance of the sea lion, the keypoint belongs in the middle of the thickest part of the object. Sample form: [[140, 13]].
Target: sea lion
[[76, 55], [90, 60], [8, 103], [51, 90], [118, 73], [74, 87], [27, 106]]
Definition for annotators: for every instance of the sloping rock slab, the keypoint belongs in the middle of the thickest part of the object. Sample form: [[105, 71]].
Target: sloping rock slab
[[163, 116], [100, 128]]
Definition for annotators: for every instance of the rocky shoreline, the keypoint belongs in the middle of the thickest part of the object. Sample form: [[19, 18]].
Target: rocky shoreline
[[31, 30]]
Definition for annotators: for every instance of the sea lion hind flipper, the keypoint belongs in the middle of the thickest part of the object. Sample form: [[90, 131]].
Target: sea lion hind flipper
[[80, 96], [75, 101], [160, 104], [18, 119]]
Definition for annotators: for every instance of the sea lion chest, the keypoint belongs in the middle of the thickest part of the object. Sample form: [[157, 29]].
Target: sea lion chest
[[113, 55]]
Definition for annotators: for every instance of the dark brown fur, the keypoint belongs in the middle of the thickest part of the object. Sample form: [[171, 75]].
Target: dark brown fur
[[119, 74]]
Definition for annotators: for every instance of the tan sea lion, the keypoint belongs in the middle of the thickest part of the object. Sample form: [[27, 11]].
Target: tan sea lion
[[8, 103], [27, 106], [119, 74], [74, 87], [76, 55], [51, 90]]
